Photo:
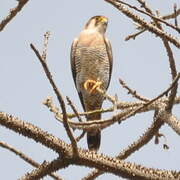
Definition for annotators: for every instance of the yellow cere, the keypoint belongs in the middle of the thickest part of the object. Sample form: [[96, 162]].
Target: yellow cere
[[102, 19]]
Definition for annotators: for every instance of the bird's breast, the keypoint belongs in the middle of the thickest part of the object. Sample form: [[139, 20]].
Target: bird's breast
[[92, 63]]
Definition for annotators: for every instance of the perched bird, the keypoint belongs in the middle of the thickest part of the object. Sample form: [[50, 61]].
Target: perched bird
[[91, 65]]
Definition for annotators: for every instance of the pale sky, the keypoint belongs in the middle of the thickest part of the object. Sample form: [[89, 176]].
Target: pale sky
[[142, 64]]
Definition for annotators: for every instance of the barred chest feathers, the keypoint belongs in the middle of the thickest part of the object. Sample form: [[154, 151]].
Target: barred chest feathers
[[93, 64]]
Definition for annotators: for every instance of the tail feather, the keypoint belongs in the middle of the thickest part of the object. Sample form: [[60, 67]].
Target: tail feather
[[94, 136], [94, 140]]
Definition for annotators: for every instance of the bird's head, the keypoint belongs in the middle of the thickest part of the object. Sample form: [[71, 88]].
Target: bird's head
[[97, 22]]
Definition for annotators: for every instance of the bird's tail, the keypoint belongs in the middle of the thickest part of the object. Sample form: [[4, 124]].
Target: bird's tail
[[94, 140], [94, 136]]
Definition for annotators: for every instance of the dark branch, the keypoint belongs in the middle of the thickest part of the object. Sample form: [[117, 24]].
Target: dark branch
[[12, 13], [26, 158], [59, 97]]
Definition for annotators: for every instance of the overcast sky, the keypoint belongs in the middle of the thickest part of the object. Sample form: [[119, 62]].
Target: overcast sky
[[142, 64]]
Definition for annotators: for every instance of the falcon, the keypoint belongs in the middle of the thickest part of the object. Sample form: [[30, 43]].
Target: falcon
[[91, 65]]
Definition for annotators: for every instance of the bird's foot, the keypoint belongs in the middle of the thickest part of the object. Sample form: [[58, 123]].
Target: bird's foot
[[92, 85]]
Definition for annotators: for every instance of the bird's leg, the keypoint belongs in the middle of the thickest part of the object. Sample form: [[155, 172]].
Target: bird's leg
[[92, 85]]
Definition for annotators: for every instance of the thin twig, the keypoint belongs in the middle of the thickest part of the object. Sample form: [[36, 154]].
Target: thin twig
[[132, 92], [146, 25], [85, 158], [110, 98], [144, 139], [74, 109], [144, 5], [45, 168], [175, 12], [80, 136], [166, 17], [172, 121], [59, 97], [13, 12], [133, 36], [150, 15], [172, 16], [45, 47], [153, 100], [173, 73], [26, 158], [101, 124], [78, 116], [170, 56]]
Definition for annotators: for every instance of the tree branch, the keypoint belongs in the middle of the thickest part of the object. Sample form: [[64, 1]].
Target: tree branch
[[85, 158], [151, 15], [123, 115], [59, 97], [26, 158], [45, 168], [144, 139], [12, 13], [149, 27]]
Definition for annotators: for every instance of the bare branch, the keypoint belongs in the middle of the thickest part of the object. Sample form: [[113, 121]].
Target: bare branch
[[153, 100], [172, 121], [142, 30], [133, 36], [121, 105], [144, 139], [172, 16], [85, 158], [171, 58], [146, 25], [33, 132], [74, 109], [13, 12], [101, 124], [26, 158], [110, 98], [173, 73], [45, 47], [59, 97], [175, 12], [92, 175], [132, 92], [148, 13], [45, 168], [80, 136]]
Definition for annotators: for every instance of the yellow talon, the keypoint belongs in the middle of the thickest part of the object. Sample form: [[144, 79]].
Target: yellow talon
[[91, 85]]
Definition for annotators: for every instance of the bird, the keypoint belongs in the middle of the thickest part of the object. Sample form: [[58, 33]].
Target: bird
[[91, 66]]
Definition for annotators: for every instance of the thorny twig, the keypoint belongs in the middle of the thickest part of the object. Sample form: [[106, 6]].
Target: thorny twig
[[144, 24], [74, 109], [170, 56], [175, 12], [59, 97], [144, 139], [45, 168], [172, 16], [101, 124], [133, 36], [26, 158], [132, 92], [85, 158], [151, 15], [153, 100], [80, 136], [12, 13], [45, 46]]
